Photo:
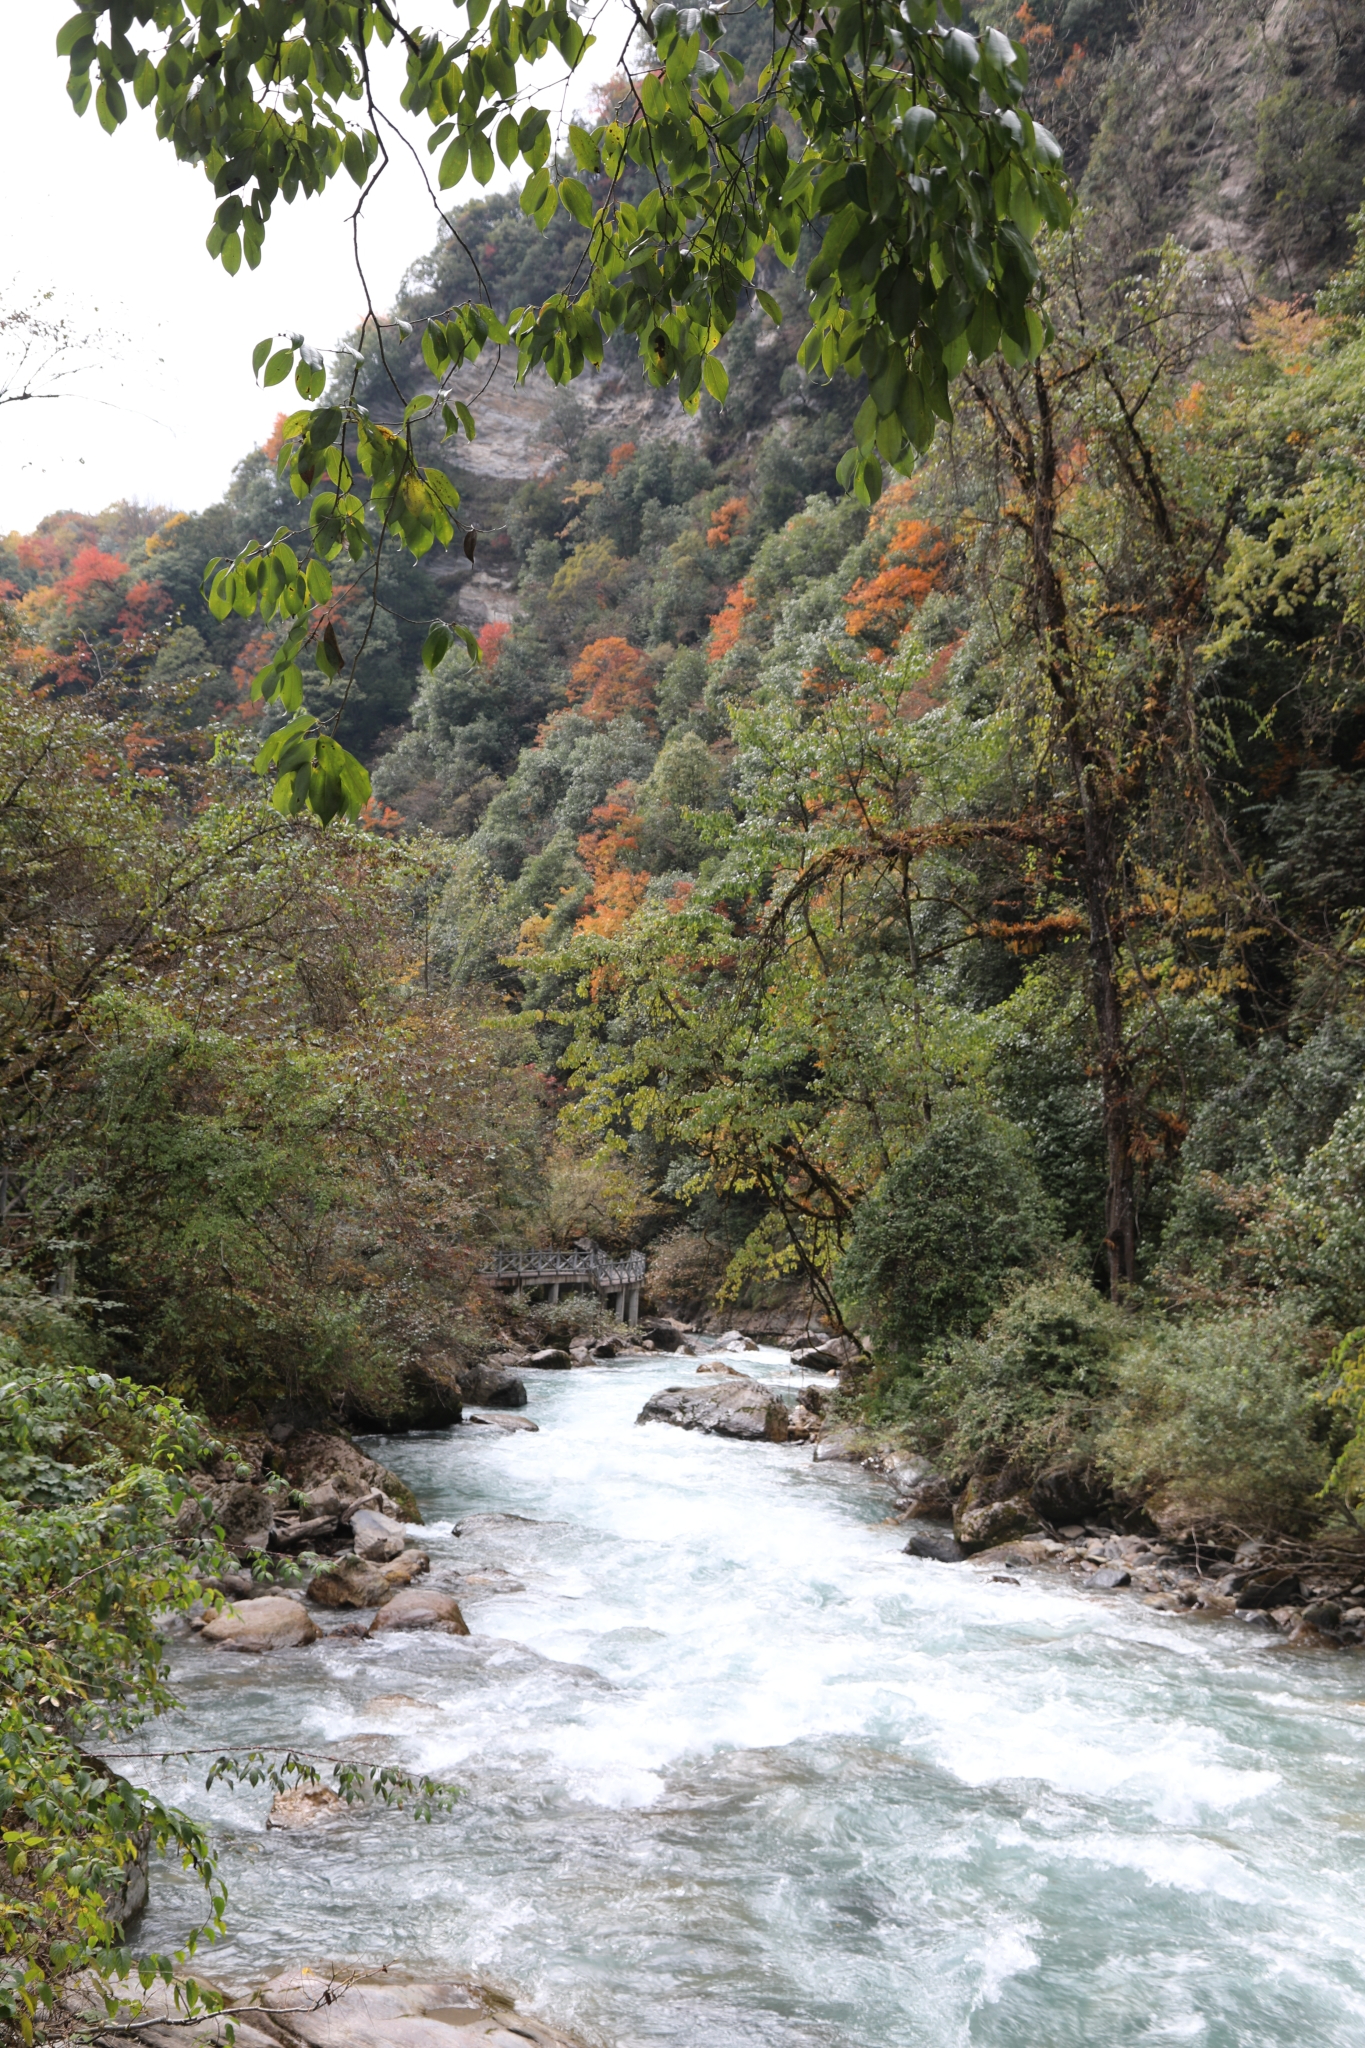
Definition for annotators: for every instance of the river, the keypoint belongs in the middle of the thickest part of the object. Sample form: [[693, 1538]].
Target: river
[[736, 1771]]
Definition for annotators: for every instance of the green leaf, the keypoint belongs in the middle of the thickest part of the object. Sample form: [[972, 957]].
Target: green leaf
[[481, 157], [509, 142], [279, 366], [110, 105], [716, 378], [577, 200], [259, 354], [453, 164], [436, 646], [769, 305]]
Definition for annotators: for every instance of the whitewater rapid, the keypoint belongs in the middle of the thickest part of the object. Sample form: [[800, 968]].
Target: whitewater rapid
[[736, 1771]]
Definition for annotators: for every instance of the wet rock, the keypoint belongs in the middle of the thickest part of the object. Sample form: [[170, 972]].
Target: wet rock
[[832, 1356], [420, 1607], [350, 1582], [430, 1397], [1304, 1635], [740, 1408], [606, 1347], [940, 1545], [304, 1806], [1254, 1617], [841, 1445], [985, 1515], [1109, 1578], [508, 1424], [802, 1424], [1025, 1550], [377, 1537], [1323, 1613], [665, 1333], [719, 1365], [386, 2013], [271, 1623], [1268, 1589], [403, 1570], [551, 1359], [920, 1491], [492, 1387]]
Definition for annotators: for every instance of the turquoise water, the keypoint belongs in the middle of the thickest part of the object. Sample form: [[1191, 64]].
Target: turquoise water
[[736, 1771]]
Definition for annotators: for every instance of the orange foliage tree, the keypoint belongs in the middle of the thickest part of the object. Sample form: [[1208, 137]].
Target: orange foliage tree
[[611, 679], [912, 564], [728, 623], [607, 850]]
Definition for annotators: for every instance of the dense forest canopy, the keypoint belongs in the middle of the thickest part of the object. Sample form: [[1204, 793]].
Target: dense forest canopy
[[940, 898]]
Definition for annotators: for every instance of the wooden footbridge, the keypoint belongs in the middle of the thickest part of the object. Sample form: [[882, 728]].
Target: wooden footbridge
[[614, 1279]]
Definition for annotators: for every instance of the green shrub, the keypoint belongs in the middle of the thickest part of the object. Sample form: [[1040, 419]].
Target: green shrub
[[933, 1245], [1217, 1422], [1029, 1391]]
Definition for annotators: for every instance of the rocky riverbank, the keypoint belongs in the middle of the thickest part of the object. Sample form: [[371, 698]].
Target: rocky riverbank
[[335, 2005]]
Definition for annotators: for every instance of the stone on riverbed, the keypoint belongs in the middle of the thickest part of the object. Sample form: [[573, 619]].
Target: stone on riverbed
[[386, 2014], [742, 1408], [350, 1582], [420, 1607], [378, 1539], [551, 1359], [987, 1515], [272, 1623], [304, 1806], [938, 1545]]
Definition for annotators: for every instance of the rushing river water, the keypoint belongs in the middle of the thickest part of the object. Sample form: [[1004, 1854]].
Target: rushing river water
[[737, 1771]]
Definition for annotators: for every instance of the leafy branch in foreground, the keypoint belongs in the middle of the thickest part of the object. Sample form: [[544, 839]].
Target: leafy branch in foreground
[[901, 142]]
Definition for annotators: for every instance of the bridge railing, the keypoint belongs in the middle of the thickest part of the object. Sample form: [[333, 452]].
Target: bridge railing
[[598, 1269]]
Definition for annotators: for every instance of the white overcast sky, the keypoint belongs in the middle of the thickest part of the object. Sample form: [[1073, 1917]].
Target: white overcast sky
[[113, 228]]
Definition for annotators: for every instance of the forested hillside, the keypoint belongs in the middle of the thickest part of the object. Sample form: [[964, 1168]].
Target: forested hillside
[[951, 907]]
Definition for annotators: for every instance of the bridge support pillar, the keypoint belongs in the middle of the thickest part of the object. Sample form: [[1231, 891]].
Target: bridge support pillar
[[554, 1290], [633, 1305]]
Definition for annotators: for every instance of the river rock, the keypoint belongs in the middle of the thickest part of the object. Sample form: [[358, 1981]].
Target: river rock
[[665, 1333], [551, 1359], [986, 1515], [406, 1568], [939, 1545], [508, 1424], [1109, 1578], [377, 1538], [420, 1607], [841, 1445], [350, 1582], [743, 1408], [315, 1457], [304, 1806], [272, 1623], [831, 1356], [1323, 1613], [492, 1386], [1269, 1589], [322, 2008], [719, 1365]]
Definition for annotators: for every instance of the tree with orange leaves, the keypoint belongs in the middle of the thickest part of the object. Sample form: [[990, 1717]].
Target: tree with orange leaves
[[611, 679]]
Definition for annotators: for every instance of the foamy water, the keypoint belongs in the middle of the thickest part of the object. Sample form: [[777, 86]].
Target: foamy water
[[737, 1771]]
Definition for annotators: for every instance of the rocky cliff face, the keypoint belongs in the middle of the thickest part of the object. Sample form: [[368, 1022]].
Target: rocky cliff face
[[1236, 127]]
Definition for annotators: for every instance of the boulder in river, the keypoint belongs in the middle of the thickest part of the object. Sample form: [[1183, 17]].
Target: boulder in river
[[377, 1537], [272, 1623], [420, 1607], [493, 1386], [350, 1581], [832, 1356], [665, 1333], [386, 2013], [304, 1806], [551, 1359], [508, 1424], [1269, 1589], [986, 1514], [742, 1407], [939, 1545]]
